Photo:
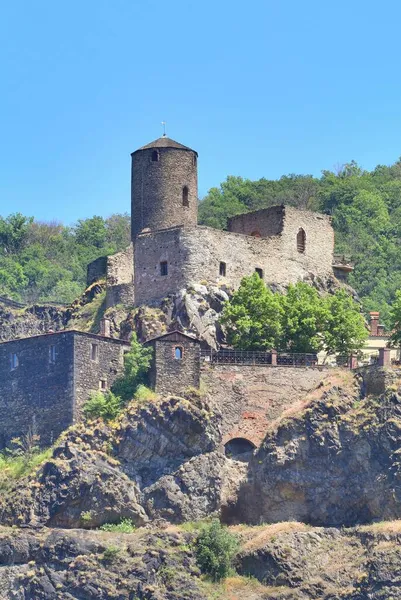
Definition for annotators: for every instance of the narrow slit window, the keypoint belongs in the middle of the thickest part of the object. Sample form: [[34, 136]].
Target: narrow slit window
[[103, 385], [194, 160], [94, 352], [52, 354], [223, 269], [163, 268], [14, 362], [155, 156], [301, 241], [178, 352], [185, 197], [259, 272]]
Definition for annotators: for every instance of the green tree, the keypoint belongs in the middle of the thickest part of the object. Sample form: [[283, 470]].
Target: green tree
[[253, 316], [344, 329], [215, 548], [395, 319], [136, 364], [303, 315], [105, 405]]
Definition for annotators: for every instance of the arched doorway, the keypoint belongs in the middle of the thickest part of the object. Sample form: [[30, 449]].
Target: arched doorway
[[239, 449]]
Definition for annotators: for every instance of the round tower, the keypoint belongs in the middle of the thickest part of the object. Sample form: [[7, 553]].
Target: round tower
[[164, 186]]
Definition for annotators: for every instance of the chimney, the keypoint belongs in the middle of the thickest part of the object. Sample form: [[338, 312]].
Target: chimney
[[374, 322], [105, 327]]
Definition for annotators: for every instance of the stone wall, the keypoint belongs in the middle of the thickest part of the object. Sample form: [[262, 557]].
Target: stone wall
[[265, 223], [376, 380], [89, 373], [52, 377], [251, 397], [194, 254], [120, 278], [170, 375], [157, 188], [37, 394], [96, 270]]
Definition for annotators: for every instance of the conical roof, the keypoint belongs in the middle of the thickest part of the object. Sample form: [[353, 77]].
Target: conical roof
[[165, 142]]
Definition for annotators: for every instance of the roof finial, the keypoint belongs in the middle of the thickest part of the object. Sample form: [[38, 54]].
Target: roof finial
[[164, 128]]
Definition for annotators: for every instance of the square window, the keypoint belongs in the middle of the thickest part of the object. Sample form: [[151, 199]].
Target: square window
[[259, 272], [103, 385], [94, 352], [163, 268], [222, 269]]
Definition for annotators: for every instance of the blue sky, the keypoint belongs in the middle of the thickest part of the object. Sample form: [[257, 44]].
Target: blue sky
[[258, 88]]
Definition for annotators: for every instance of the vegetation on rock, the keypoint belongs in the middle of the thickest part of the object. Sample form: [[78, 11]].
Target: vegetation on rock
[[299, 321], [215, 549]]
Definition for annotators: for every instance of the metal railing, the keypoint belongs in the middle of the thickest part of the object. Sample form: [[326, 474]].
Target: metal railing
[[237, 357], [272, 358]]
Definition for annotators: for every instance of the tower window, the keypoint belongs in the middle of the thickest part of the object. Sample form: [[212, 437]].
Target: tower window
[[185, 199], [194, 160], [163, 268], [103, 385], [178, 352], [52, 354], [222, 269], [301, 241], [155, 156], [14, 362], [259, 272], [95, 352]]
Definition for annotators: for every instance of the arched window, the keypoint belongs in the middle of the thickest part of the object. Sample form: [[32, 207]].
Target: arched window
[[178, 351], [155, 156], [239, 449], [301, 241], [185, 199], [256, 233]]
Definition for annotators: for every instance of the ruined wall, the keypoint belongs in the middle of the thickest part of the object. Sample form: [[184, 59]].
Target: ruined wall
[[251, 397], [38, 393], [194, 254], [88, 373], [156, 189], [171, 376], [266, 222], [120, 278], [96, 270]]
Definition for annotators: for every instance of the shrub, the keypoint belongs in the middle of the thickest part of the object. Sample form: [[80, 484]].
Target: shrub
[[102, 404], [143, 394], [111, 553], [215, 548], [124, 526]]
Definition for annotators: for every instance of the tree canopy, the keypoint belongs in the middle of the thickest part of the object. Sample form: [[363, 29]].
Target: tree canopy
[[299, 321], [47, 261], [366, 211]]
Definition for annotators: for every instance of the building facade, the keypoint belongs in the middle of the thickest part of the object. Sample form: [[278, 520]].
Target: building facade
[[45, 380]]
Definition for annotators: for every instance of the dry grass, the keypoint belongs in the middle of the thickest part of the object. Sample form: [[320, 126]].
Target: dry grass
[[238, 588], [382, 527], [256, 537]]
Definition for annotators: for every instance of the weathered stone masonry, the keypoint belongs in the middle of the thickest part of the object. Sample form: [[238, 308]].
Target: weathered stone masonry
[[44, 380]]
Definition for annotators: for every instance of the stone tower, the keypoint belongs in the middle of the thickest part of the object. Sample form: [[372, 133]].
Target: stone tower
[[164, 186]]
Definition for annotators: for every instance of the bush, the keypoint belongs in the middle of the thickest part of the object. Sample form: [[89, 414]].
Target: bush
[[124, 526], [215, 549], [102, 404]]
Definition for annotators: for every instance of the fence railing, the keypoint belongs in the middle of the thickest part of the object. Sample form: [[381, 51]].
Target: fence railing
[[15, 304], [272, 358]]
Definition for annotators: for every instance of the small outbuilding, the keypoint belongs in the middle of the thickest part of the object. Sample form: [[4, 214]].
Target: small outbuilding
[[176, 363]]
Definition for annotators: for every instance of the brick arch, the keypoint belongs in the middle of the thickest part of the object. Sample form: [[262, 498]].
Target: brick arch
[[239, 447]]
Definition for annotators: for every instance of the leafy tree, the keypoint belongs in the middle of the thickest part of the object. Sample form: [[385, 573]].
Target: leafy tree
[[303, 315], [136, 364], [253, 316], [105, 405], [300, 321], [215, 549], [395, 319], [91, 232], [344, 329]]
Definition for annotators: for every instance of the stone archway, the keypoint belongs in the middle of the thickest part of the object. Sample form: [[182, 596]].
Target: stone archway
[[239, 448]]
